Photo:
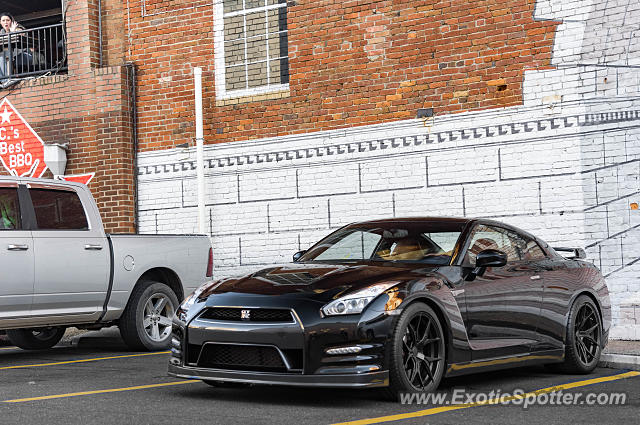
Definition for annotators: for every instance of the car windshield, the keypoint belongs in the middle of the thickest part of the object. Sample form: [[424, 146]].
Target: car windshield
[[428, 242]]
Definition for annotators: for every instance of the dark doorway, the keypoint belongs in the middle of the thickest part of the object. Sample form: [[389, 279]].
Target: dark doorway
[[34, 13]]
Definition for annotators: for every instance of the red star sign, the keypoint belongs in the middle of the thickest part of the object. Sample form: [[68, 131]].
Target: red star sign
[[21, 149]]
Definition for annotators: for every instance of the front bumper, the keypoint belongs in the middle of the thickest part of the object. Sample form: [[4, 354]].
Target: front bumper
[[362, 380], [292, 352]]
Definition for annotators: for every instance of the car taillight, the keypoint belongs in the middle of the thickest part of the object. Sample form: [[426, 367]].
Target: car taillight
[[210, 263]]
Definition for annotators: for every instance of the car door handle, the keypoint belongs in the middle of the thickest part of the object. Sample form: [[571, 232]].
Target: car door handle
[[536, 277], [14, 247], [93, 247]]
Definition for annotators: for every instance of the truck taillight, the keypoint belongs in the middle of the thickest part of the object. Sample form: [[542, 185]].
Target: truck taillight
[[210, 263]]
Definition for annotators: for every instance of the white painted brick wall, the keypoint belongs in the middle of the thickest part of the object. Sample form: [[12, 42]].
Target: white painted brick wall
[[231, 219], [263, 186], [432, 201], [268, 248], [327, 180], [299, 214], [347, 209], [564, 166], [450, 167], [388, 174]]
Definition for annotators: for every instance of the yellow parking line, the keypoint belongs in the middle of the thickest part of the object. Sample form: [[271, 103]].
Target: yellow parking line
[[111, 390], [436, 410], [83, 360]]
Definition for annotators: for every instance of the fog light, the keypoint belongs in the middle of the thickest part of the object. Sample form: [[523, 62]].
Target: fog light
[[343, 350]]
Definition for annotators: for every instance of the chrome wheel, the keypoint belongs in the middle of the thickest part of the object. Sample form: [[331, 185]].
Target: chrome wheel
[[158, 312], [421, 348], [587, 334]]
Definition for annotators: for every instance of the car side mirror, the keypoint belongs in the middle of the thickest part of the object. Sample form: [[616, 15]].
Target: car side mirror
[[484, 259], [298, 255], [491, 258]]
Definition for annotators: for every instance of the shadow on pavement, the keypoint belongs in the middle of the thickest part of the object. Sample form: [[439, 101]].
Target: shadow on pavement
[[526, 378], [104, 342]]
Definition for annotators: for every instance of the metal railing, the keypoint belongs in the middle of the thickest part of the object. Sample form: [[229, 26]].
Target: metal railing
[[31, 52]]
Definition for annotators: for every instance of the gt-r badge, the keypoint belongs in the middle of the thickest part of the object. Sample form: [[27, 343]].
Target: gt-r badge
[[245, 314], [457, 292]]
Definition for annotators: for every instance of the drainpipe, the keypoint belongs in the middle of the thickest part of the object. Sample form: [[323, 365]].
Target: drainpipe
[[100, 29], [197, 74], [133, 111]]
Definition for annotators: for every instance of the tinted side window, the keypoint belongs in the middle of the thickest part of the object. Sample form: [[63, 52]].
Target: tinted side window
[[532, 251], [485, 237], [9, 209], [58, 210]]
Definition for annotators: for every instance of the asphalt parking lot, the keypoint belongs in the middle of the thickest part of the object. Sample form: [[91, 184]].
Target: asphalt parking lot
[[97, 381]]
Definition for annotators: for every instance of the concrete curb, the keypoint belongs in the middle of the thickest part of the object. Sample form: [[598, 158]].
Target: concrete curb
[[620, 361]]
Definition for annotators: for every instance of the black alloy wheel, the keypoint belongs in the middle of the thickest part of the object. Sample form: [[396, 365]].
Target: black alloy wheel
[[417, 352], [420, 350], [583, 344], [587, 334]]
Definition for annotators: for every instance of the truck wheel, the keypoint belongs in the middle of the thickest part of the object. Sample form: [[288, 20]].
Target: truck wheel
[[145, 324], [37, 338]]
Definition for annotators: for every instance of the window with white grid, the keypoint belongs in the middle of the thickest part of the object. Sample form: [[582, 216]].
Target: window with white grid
[[251, 47]]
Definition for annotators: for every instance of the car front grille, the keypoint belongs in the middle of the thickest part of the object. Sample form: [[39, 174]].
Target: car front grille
[[234, 314], [241, 357]]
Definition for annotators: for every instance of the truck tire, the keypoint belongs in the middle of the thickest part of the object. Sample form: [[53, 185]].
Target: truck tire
[[37, 338], [145, 324]]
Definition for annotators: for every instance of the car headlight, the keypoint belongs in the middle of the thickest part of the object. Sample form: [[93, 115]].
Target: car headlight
[[191, 299], [355, 302]]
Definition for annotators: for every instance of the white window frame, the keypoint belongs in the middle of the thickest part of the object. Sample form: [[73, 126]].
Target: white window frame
[[220, 66]]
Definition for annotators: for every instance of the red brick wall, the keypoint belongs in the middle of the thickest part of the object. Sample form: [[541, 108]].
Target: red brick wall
[[114, 41], [90, 112], [89, 108], [166, 43], [352, 63]]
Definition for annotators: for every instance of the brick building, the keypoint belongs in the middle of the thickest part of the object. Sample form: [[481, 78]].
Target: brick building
[[85, 103], [322, 113]]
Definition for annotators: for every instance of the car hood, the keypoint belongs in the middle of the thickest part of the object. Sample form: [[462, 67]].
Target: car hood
[[321, 282]]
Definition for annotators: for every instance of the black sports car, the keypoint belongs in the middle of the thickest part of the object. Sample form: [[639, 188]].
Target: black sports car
[[399, 304]]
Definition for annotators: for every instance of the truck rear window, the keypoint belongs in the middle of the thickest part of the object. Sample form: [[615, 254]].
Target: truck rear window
[[58, 210]]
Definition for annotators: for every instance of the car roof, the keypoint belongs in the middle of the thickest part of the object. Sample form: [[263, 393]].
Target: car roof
[[452, 220], [460, 220]]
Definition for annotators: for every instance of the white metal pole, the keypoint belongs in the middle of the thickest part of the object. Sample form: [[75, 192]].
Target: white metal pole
[[197, 74]]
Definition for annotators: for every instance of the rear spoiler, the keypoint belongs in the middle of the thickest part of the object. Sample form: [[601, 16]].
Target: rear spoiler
[[578, 253]]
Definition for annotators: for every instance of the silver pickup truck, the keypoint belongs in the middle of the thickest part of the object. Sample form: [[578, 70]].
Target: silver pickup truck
[[58, 268]]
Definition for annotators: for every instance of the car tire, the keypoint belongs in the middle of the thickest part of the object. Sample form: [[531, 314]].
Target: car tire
[[146, 322], [583, 344], [416, 352], [37, 338]]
